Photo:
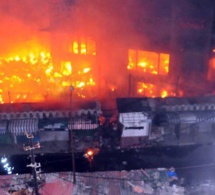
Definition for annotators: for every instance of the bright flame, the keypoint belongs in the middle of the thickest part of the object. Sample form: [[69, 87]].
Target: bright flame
[[83, 48], [80, 84], [89, 153], [151, 90], [66, 68], [75, 47], [164, 94], [142, 64], [148, 90], [32, 76], [148, 62], [86, 70], [91, 82]]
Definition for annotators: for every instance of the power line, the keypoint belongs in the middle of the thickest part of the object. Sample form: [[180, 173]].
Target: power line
[[124, 179], [107, 178], [197, 166]]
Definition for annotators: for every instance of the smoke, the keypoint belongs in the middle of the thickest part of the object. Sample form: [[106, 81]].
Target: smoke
[[20, 23], [115, 25], [111, 24]]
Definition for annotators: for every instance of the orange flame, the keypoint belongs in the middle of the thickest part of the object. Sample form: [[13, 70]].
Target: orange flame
[[148, 62], [151, 90], [32, 76]]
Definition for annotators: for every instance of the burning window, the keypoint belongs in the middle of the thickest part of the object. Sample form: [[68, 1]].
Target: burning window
[[146, 89], [163, 63], [83, 46], [66, 68], [148, 62], [152, 90]]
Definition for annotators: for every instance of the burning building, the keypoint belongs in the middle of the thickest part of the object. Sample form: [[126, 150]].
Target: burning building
[[104, 48]]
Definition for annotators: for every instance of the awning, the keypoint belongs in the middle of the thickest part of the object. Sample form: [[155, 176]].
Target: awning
[[22, 126], [3, 126], [207, 116]]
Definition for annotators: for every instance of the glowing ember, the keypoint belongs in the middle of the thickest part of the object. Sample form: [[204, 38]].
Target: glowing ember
[[112, 88]]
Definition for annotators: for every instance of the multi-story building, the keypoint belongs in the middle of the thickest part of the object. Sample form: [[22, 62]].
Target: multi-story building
[[113, 49], [108, 49], [138, 48]]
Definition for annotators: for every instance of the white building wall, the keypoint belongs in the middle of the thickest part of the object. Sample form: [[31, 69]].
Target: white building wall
[[135, 124]]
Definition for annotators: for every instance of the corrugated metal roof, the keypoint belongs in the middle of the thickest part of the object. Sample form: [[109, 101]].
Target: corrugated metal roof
[[22, 126], [47, 114], [3, 126]]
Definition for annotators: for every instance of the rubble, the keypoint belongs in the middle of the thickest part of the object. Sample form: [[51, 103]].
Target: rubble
[[159, 181], [148, 182]]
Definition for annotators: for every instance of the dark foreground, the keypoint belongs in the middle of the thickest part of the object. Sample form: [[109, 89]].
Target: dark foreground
[[194, 163]]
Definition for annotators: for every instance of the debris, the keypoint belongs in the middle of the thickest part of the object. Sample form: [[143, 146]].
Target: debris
[[136, 188], [172, 174], [144, 172]]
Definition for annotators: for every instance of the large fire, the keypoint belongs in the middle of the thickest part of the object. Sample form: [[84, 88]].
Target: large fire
[[37, 76], [33, 77]]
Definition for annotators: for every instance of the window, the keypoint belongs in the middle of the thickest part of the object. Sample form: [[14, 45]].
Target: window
[[83, 46], [146, 89], [148, 62], [152, 90]]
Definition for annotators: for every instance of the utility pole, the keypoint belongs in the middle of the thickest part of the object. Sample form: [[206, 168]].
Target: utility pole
[[72, 135], [33, 164], [176, 86], [129, 85]]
